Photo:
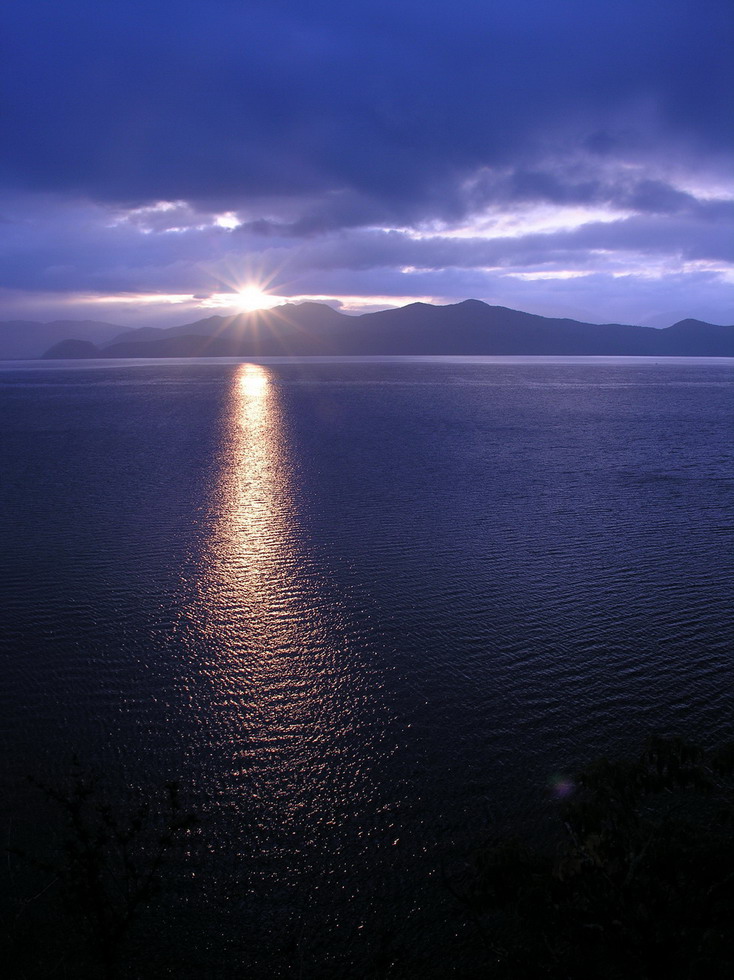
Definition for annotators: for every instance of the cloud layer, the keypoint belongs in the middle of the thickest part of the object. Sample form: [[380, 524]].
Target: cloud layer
[[558, 156]]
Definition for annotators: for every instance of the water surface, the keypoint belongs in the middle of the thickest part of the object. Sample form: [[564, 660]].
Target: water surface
[[364, 607]]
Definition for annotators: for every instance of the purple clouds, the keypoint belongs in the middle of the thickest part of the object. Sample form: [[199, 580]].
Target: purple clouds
[[559, 157]]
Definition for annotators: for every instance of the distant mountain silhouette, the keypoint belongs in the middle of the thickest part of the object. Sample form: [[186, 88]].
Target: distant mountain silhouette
[[73, 349], [471, 327], [29, 339]]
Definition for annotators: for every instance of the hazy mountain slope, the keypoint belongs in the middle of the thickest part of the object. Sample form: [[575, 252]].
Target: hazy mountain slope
[[28, 338], [473, 327], [686, 336], [72, 350]]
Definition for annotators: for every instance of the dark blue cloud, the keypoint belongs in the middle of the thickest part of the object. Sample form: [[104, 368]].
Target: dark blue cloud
[[223, 100]]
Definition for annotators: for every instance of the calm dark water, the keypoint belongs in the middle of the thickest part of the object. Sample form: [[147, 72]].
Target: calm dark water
[[362, 609]]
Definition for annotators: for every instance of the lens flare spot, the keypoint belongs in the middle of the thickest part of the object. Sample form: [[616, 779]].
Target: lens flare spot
[[562, 787]]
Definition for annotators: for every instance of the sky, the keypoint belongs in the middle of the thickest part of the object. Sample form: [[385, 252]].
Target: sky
[[162, 161]]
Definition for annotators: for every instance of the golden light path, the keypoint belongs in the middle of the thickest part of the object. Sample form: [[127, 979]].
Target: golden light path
[[257, 614], [277, 687]]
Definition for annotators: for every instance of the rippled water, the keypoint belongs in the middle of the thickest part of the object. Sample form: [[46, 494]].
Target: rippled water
[[362, 608]]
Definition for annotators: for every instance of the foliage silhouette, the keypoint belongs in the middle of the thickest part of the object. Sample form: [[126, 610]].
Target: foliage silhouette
[[107, 858], [641, 885]]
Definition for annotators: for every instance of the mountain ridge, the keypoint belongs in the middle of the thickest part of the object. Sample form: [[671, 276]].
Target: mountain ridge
[[470, 327]]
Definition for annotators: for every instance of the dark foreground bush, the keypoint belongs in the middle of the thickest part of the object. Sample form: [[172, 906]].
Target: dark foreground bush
[[641, 886], [74, 898]]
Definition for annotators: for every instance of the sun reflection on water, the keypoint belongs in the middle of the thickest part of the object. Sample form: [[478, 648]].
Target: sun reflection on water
[[258, 501], [251, 586], [277, 685]]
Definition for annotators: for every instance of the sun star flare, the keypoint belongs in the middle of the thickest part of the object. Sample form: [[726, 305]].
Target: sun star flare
[[253, 297]]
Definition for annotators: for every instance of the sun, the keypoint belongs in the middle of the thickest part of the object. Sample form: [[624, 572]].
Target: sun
[[251, 298]]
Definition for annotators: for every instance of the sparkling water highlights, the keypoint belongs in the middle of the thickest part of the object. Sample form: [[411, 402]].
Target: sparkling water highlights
[[278, 684]]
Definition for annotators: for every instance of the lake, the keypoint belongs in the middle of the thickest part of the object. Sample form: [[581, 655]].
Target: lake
[[363, 609]]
